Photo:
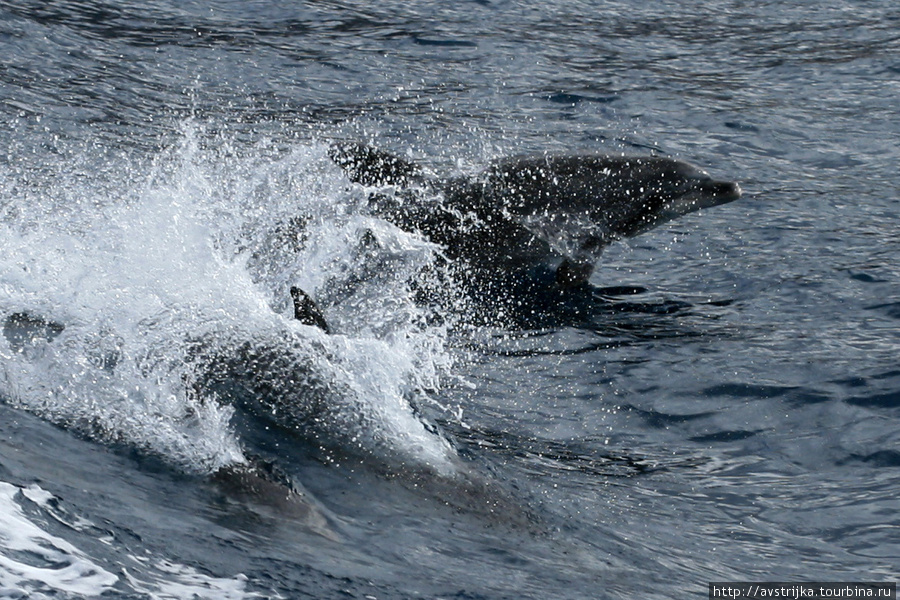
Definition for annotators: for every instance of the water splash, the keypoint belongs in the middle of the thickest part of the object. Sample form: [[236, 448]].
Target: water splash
[[148, 262]]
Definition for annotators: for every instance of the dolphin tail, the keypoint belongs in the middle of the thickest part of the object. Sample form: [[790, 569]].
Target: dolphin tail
[[367, 166]]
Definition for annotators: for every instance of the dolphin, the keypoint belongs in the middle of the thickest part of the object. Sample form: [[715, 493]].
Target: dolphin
[[524, 211]]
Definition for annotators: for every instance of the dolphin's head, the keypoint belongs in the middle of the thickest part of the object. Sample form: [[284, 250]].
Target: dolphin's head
[[579, 204], [651, 191], [623, 195], [616, 196]]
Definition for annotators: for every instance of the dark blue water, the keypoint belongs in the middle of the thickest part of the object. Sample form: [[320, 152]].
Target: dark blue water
[[723, 404]]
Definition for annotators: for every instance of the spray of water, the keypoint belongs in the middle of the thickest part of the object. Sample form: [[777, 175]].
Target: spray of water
[[159, 267]]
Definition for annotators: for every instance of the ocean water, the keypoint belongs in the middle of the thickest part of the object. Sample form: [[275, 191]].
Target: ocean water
[[722, 404]]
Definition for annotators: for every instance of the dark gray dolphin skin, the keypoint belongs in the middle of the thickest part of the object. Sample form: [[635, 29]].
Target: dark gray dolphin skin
[[262, 490], [25, 329], [525, 211], [306, 311]]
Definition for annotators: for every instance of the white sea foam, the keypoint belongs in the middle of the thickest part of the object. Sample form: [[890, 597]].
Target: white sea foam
[[37, 565], [176, 582]]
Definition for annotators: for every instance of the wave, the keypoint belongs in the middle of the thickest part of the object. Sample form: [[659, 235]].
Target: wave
[[34, 563]]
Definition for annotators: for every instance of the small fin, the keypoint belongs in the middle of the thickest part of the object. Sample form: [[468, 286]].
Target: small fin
[[306, 311], [367, 166]]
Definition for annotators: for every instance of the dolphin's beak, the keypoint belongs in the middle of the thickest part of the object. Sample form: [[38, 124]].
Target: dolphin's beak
[[710, 193], [724, 191], [706, 194]]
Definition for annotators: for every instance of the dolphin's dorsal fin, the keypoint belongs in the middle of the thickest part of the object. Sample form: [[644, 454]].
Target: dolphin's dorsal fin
[[367, 166], [306, 311]]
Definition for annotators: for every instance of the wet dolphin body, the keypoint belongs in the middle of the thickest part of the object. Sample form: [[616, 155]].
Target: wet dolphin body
[[267, 378], [526, 211], [283, 394]]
